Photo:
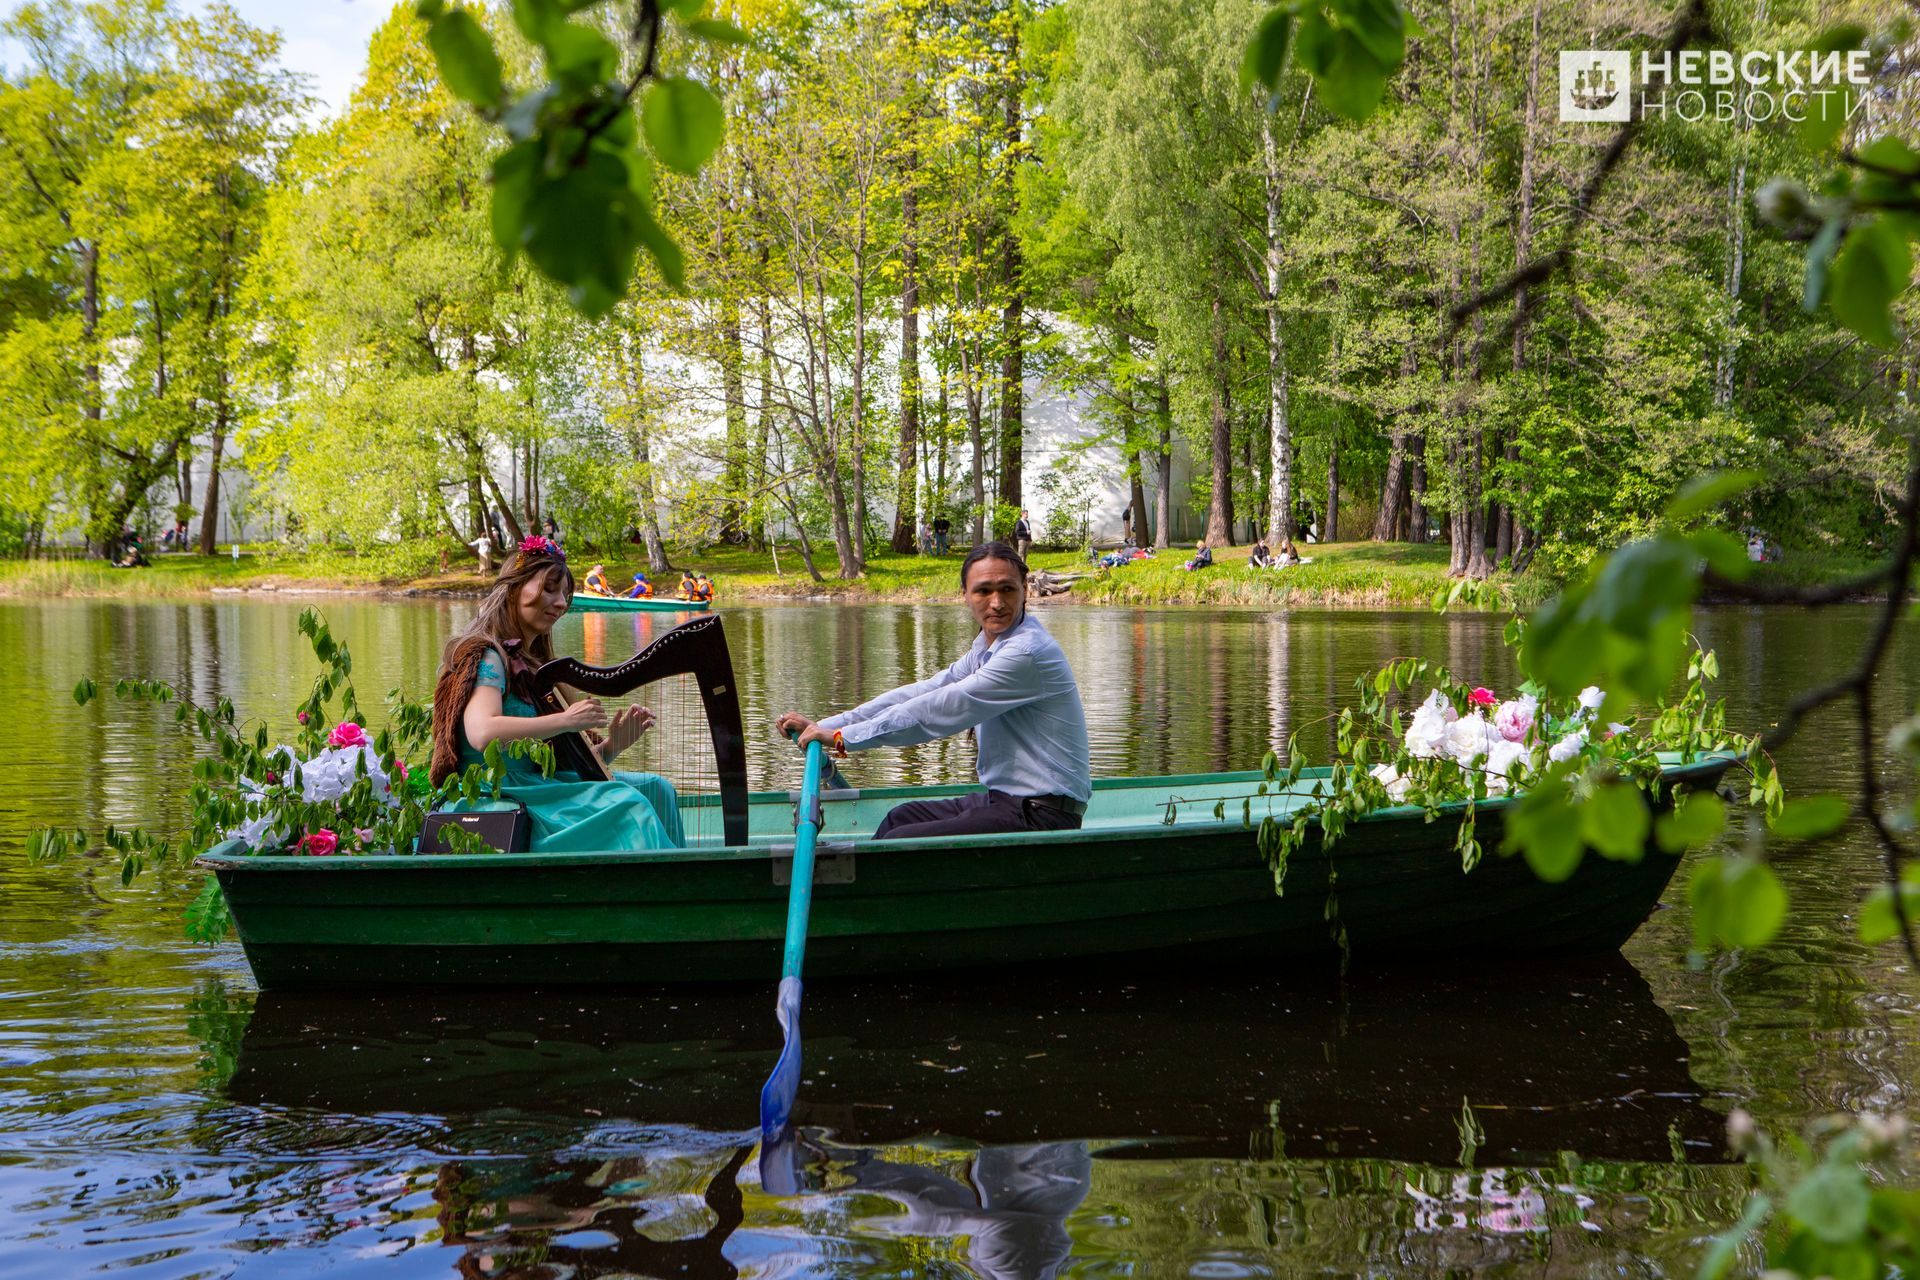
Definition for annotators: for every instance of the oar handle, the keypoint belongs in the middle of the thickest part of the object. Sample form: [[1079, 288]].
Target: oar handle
[[806, 833]]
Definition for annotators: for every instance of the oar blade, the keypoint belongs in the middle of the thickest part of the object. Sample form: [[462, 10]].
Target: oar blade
[[783, 1086]]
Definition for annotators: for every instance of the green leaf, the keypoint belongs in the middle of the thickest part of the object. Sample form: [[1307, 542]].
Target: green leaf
[[534, 17], [1819, 259], [1696, 820], [85, 692], [1737, 901], [1545, 827], [581, 229], [1811, 817], [1707, 491], [1266, 54], [1614, 822], [515, 171], [466, 58], [580, 56], [1873, 268], [1878, 923], [1889, 151], [1832, 1202], [683, 122], [1725, 554], [1351, 80], [207, 917], [717, 31]]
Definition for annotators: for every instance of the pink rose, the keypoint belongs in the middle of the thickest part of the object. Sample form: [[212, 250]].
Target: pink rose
[[319, 844], [273, 779], [1514, 719], [399, 769], [1482, 698], [347, 734], [365, 834], [303, 717]]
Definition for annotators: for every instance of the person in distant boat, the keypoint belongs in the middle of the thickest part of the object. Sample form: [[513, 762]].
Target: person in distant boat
[[641, 588], [689, 585], [702, 587], [484, 696], [596, 583], [1013, 687]]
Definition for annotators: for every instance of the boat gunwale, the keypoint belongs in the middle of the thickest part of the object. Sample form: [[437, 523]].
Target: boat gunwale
[[217, 860]]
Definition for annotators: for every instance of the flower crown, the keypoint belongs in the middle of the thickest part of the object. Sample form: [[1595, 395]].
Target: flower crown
[[539, 546]]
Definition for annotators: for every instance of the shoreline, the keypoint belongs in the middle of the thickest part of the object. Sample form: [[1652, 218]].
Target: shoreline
[[1356, 575]]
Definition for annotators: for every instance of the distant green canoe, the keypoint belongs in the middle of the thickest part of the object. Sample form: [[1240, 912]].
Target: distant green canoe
[[1126, 887], [584, 603]]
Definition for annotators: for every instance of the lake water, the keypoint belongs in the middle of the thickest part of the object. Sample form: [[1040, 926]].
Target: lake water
[[158, 1115]]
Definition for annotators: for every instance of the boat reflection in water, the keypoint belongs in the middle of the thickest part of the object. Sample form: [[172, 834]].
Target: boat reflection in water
[[607, 1133]]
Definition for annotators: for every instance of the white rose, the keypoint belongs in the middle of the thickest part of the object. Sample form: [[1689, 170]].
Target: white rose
[[1567, 748], [1500, 760], [1389, 777], [1591, 698], [1427, 735], [1469, 737]]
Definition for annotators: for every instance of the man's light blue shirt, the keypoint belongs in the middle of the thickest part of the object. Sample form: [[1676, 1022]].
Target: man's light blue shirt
[[1020, 697]]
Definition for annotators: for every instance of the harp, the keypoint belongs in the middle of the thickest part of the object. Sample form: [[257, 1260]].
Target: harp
[[696, 649]]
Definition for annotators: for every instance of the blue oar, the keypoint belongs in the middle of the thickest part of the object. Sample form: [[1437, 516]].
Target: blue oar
[[777, 1095]]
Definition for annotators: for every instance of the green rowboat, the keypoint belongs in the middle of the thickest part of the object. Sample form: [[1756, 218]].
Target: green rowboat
[[1126, 887], [584, 603]]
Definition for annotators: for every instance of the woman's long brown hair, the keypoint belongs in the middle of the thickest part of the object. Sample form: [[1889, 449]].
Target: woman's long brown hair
[[498, 618], [496, 622]]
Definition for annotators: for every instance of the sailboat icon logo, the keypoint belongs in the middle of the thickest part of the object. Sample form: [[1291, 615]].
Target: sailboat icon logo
[[1596, 84]]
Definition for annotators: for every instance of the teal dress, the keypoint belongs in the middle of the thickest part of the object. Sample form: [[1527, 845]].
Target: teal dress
[[571, 814]]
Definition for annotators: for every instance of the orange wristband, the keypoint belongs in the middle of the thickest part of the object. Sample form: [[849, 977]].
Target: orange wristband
[[839, 745]]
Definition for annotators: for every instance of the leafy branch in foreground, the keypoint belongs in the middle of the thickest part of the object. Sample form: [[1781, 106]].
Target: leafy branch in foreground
[[574, 189], [337, 790]]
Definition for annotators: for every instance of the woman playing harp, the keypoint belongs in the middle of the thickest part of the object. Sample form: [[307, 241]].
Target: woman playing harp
[[483, 696]]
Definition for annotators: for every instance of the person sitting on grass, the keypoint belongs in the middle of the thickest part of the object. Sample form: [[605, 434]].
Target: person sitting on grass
[[1202, 557], [641, 588], [1289, 554], [596, 582], [1259, 558]]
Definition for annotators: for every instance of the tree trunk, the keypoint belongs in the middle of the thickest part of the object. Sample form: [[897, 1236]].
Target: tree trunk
[[210, 506], [1393, 491], [905, 526], [1522, 249], [859, 467], [1280, 444], [733, 512], [1219, 531], [1163, 500], [1330, 527], [1012, 371]]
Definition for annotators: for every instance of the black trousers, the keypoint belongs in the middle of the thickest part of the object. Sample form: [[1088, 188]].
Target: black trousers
[[980, 813]]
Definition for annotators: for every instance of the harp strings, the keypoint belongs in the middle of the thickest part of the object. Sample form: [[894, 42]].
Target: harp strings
[[679, 747]]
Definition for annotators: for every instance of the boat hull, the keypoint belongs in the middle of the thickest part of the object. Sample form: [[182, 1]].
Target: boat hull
[[1193, 894], [584, 603]]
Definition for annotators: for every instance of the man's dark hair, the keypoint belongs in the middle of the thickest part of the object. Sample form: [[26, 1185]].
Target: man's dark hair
[[991, 551]]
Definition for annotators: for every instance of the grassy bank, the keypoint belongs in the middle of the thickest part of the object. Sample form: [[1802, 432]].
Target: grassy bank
[[1354, 574]]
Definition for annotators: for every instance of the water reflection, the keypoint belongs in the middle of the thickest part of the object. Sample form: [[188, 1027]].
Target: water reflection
[[986, 1122], [155, 1113]]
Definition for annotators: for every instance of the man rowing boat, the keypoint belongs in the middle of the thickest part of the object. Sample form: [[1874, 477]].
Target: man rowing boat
[[1014, 687]]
